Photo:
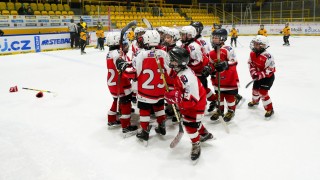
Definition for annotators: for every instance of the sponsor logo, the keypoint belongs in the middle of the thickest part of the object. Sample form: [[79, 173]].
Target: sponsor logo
[[15, 45], [55, 41], [37, 43]]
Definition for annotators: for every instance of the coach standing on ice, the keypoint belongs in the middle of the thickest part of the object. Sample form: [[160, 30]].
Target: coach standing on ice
[[73, 33]]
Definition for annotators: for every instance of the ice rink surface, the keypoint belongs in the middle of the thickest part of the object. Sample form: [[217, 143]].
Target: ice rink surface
[[66, 137]]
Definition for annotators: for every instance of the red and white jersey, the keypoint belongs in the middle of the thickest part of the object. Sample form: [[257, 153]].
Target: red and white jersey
[[197, 59], [204, 45], [150, 84], [229, 79], [113, 75], [194, 95], [264, 63], [135, 48]]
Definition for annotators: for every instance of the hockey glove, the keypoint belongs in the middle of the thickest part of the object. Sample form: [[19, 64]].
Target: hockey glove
[[221, 66], [258, 75], [206, 71], [173, 97], [121, 64]]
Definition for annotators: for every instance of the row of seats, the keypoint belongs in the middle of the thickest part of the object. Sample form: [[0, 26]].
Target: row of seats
[[119, 9], [14, 12], [161, 18], [188, 10], [36, 7]]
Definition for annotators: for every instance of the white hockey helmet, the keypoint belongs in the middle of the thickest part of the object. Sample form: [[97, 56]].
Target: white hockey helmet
[[151, 38], [189, 30], [174, 33], [113, 38], [262, 41], [138, 30], [162, 29]]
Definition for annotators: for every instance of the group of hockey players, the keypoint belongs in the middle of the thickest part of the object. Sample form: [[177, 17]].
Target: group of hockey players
[[183, 61]]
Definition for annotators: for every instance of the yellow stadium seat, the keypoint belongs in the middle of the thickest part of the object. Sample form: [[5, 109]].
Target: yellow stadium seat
[[91, 13], [40, 7], [93, 8], [44, 13], [10, 6], [54, 7], [60, 7], [25, 4], [5, 12], [14, 12], [58, 12], [64, 13], [102, 13], [51, 13], [47, 7], [87, 8], [70, 13], [17, 5], [66, 7], [37, 13], [34, 7], [3, 6]]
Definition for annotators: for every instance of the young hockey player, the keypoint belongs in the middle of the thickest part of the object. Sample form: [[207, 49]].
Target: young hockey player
[[172, 35], [83, 40], [262, 68], [204, 45], [234, 36], [262, 31], [286, 34], [138, 32], [150, 85], [100, 36], [198, 60], [228, 74], [190, 96], [119, 86]]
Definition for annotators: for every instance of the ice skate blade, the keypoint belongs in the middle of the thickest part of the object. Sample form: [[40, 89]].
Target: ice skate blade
[[114, 126], [129, 134], [195, 162]]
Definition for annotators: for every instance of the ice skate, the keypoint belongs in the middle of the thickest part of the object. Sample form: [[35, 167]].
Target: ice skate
[[129, 131], [161, 129], [115, 124], [252, 104], [215, 116], [143, 136], [206, 136], [212, 105], [228, 116], [238, 98], [268, 114], [195, 152]]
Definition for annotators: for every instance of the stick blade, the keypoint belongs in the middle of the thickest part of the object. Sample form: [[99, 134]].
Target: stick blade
[[224, 124], [146, 22], [176, 140]]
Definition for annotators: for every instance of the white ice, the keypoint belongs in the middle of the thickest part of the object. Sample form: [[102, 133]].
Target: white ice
[[66, 137]]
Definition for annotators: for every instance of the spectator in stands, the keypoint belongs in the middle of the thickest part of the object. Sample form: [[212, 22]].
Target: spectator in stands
[[30, 11], [73, 29], [22, 10], [1, 33]]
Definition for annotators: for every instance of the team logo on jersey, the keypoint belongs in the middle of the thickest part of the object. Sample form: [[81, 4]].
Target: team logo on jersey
[[228, 48], [192, 48], [151, 54], [183, 79], [203, 42]]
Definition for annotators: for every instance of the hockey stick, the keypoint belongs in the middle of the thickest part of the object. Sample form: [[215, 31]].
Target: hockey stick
[[31, 89], [219, 111], [146, 22], [240, 43], [250, 83], [123, 31], [178, 137]]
